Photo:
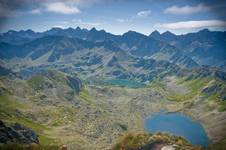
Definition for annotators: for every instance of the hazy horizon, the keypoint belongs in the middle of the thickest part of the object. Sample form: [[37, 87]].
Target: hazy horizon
[[88, 29]]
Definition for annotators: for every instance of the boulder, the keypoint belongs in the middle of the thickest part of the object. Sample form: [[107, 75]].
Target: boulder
[[74, 83]]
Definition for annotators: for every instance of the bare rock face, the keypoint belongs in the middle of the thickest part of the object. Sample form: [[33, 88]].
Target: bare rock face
[[17, 133], [158, 141], [63, 147], [75, 83]]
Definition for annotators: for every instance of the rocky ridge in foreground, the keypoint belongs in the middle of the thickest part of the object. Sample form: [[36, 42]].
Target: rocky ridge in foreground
[[16, 133]]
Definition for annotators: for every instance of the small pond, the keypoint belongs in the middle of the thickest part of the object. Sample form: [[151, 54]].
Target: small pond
[[179, 125]]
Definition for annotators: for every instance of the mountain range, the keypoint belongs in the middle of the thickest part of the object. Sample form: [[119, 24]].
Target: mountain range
[[188, 51]]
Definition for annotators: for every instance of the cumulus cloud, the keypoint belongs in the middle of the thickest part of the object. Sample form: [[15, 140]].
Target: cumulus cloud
[[11, 7], [144, 13], [60, 7], [193, 24], [187, 9]]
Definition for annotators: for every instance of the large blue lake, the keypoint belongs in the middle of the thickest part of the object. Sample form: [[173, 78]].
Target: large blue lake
[[177, 124]]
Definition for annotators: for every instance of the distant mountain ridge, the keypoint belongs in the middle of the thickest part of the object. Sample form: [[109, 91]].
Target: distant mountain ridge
[[190, 50], [205, 47]]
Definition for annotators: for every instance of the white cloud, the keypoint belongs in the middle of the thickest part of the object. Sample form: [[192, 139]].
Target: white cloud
[[187, 9], [144, 13], [193, 24], [120, 20], [63, 8], [84, 23], [9, 8], [59, 26], [35, 11]]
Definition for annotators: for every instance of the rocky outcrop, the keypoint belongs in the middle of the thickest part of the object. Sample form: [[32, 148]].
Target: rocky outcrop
[[158, 141], [216, 88], [17, 133], [112, 62], [74, 83]]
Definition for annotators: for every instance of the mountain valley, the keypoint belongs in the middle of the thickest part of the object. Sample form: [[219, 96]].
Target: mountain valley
[[87, 88]]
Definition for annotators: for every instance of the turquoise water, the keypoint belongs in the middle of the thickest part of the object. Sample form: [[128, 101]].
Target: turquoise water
[[179, 125], [124, 83]]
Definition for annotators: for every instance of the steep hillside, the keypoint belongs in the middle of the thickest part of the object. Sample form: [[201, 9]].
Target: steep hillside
[[205, 47], [86, 114]]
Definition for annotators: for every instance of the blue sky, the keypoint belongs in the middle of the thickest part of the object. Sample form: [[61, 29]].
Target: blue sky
[[115, 16]]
